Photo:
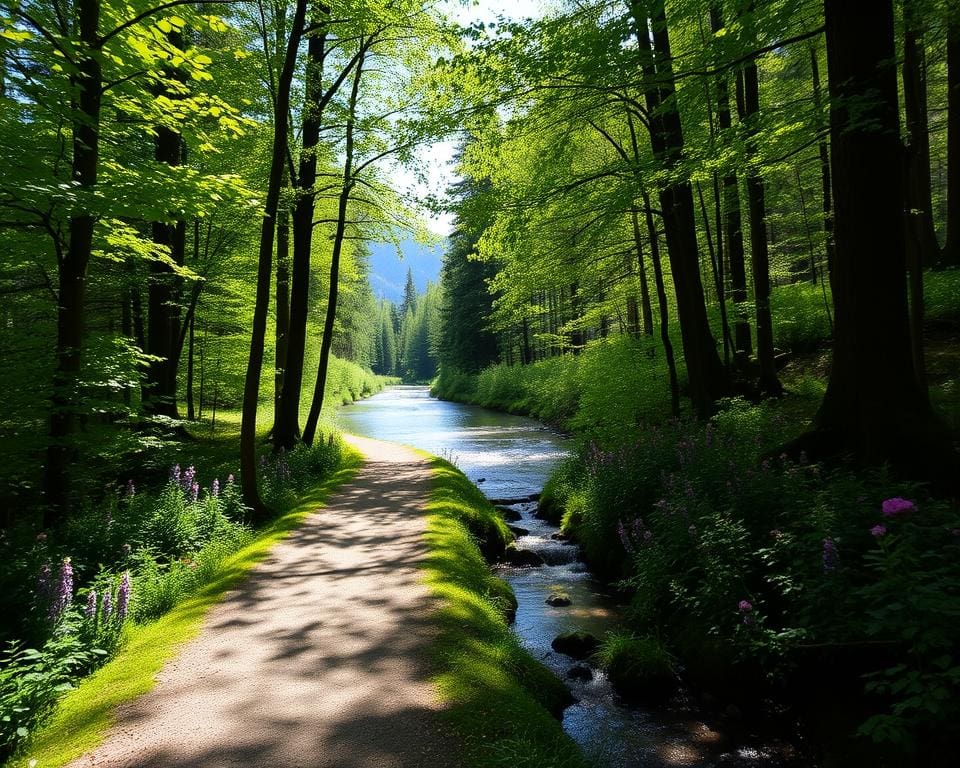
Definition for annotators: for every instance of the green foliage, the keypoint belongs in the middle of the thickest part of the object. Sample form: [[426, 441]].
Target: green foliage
[[801, 318], [640, 668]]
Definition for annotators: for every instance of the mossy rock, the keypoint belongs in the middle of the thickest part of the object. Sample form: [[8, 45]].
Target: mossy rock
[[522, 558], [501, 595], [558, 599], [577, 645], [639, 668]]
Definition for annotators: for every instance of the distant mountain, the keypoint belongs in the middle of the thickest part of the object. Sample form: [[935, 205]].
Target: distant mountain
[[388, 271]]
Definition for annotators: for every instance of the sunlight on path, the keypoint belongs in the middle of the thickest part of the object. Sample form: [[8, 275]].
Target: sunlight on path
[[319, 658]]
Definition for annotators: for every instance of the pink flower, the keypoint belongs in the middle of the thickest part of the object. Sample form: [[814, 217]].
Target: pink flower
[[745, 606], [878, 530], [896, 505]]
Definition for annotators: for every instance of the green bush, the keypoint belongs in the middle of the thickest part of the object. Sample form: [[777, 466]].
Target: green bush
[[639, 667], [801, 315]]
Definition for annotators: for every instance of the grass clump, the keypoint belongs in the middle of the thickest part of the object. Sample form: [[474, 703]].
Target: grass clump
[[640, 668], [500, 698]]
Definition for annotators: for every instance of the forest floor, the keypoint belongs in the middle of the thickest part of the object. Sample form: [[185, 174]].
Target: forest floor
[[320, 658]]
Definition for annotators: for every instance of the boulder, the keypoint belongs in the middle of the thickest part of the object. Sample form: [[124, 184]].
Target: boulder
[[577, 645], [580, 672], [558, 599], [518, 531], [509, 514], [522, 558]]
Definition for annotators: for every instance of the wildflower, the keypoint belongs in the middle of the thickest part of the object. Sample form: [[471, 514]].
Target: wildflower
[[230, 479], [831, 557], [64, 594], [123, 596], [175, 474], [106, 607], [91, 610], [215, 488], [878, 530], [131, 489], [745, 606], [194, 491], [896, 505], [188, 479]]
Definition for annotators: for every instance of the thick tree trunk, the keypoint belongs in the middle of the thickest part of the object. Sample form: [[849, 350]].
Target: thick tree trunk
[[874, 407], [759, 254], [921, 235], [706, 375], [951, 250], [72, 273], [191, 412], [823, 149], [251, 387], [316, 405]]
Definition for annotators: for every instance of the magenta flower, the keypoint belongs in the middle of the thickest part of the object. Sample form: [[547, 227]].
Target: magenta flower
[[106, 607], [745, 606], [91, 610], [878, 530], [64, 594], [123, 596], [896, 505], [215, 488]]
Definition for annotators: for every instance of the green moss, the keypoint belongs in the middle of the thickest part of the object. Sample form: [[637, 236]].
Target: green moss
[[84, 715], [639, 667], [500, 698]]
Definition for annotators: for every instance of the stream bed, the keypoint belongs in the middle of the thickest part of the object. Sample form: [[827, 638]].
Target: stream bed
[[510, 458]]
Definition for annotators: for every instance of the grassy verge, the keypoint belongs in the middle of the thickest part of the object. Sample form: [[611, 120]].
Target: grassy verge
[[83, 716], [500, 698]]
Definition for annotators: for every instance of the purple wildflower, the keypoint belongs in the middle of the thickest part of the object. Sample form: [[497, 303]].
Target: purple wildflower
[[106, 607], [745, 606], [64, 594], [131, 489], [91, 610], [186, 482], [896, 505], [878, 530], [230, 479], [123, 596], [194, 491], [175, 474], [831, 557], [215, 488]]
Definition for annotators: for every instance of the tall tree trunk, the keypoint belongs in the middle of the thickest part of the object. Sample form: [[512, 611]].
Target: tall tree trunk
[[759, 254], [191, 411], [310, 428], [921, 235], [951, 249], [286, 427], [645, 307], [251, 386], [164, 286], [663, 310], [706, 375], [733, 226], [282, 331], [874, 407], [72, 270]]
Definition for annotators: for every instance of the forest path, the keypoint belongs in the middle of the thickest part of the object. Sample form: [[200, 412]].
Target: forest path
[[320, 658]]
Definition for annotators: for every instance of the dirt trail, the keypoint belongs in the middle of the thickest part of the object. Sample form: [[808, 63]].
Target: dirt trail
[[320, 658]]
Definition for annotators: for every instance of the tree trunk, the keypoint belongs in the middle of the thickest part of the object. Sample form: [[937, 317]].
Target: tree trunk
[[874, 407], [823, 149], [706, 375], [759, 254], [663, 310], [310, 428], [951, 250], [645, 307], [251, 387], [282, 331], [733, 226], [72, 273], [921, 235], [191, 412]]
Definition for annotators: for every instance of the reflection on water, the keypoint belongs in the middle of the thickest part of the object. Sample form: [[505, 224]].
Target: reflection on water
[[507, 456], [510, 457]]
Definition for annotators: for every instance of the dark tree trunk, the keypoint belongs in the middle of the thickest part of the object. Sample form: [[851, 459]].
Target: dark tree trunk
[[921, 235], [874, 407], [72, 272], [759, 254], [706, 375], [251, 387], [282, 331], [310, 428], [951, 250], [645, 307], [663, 310], [191, 412], [733, 227], [286, 427], [576, 335], [527, 353]]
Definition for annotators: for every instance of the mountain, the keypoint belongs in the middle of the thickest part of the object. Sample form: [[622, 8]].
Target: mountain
[[388, 270]]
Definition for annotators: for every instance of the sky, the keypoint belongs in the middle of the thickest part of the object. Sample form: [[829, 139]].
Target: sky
[[437, 158]]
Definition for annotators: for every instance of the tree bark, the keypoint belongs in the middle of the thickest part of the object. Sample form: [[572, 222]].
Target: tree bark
[[874, 407], [663, 310], [282, 331], [823, 149], [645, 306], [72, 273], [251, 387], [706, 375], [310, 428]]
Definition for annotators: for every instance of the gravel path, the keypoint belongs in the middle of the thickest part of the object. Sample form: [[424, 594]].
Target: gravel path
[[319, 658]]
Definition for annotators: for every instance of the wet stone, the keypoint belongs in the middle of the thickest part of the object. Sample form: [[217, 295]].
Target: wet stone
[[580, 672], [558, 599], [517, 530], [522, 558], [577, 645]]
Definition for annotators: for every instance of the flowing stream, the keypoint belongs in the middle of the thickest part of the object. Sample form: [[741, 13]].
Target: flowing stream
[[509, 458]]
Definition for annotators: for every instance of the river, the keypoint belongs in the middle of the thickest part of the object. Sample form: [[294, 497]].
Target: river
[[510, 457]]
